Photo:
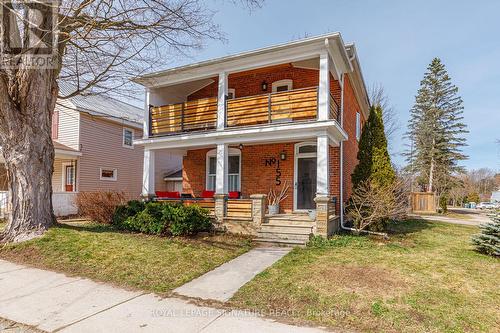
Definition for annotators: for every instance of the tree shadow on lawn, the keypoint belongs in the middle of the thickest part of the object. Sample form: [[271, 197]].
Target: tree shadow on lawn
[[219, 240], [408, 226]]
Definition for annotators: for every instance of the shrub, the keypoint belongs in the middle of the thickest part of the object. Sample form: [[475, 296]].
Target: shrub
[[162, 218], [99, 206], [488, 241], [443, 204]]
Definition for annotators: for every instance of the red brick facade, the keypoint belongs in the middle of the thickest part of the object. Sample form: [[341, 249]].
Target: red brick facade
[[256, 176]]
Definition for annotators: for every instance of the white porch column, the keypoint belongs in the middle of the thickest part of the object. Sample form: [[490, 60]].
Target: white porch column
[[221, 103], [145, 130], [324, 87], [221, 174], [323, 165], [148, 175]]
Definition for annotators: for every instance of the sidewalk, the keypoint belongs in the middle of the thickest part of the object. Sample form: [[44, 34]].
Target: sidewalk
[[53, 302]]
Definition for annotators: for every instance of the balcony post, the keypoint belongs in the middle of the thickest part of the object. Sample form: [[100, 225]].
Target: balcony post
[[221, 101], [148, 174], [323, 164], [324, 87], [221, 173], [146, 129]]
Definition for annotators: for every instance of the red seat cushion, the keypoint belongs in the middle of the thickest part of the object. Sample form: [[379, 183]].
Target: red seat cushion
[[233, 195], [166, 194], [207, 194]]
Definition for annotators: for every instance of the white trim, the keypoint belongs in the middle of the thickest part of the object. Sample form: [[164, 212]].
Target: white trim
[[148, 173], [296, 157], [65, 153], [213, 153], [358, 126], [221, 101], [324, 87], [123, 137], [264, 134], [63, 180], [280, 83], [115, 174]]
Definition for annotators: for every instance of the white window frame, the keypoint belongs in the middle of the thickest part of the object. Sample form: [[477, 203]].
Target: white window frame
[[123, 138], [213, 153], [297, 156], [63, 184], [358, 126], [286, 82], [115, 174], [233, 91]]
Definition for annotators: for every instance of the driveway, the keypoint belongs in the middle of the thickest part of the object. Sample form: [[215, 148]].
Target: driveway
[[470, 217]]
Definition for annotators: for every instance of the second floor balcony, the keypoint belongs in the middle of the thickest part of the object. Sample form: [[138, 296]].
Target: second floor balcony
[[296, 105]]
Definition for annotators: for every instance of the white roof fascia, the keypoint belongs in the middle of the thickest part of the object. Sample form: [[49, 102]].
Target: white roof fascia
[[274, 55]]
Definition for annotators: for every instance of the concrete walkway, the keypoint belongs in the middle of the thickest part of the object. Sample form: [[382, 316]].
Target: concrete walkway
[[53, 302], [223, 282]]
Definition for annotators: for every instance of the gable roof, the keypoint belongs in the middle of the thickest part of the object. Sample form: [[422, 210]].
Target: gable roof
[[100, 105]]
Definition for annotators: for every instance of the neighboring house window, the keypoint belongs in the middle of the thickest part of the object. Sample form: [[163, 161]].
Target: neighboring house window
[[234, 170], [231, 93], [282, 85], [108, 174], [55, 125], [69, 180], [358, 126], [128, 138]]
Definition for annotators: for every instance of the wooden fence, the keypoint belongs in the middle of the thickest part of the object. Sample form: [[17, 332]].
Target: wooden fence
[[424, 202], [239, 208]]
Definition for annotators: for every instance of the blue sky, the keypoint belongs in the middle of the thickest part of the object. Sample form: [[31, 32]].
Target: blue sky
[[396, 40]]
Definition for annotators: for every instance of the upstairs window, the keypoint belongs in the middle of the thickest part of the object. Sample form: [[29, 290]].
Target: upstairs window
[[282, 85], [128, 138], [358, 126]]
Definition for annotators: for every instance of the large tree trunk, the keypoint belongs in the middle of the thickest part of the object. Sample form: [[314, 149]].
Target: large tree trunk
[[29, 158], [431, 177]]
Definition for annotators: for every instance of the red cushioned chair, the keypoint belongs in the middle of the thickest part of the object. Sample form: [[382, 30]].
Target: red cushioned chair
[[168, 195], [233, 195], [207, 194]]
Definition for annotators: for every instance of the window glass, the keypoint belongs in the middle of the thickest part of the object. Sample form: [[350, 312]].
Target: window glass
[[212, 165], [282, 88], [108, 173], [358, 125], [307, 149], [128, 137], [234, 164]]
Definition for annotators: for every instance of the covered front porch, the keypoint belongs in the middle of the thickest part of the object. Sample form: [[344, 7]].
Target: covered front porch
[[232, 176]]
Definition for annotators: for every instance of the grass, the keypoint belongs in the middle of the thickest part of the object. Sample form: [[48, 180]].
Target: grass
[[135, 261], [426, 278]]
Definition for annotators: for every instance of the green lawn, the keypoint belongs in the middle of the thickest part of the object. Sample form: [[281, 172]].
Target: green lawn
[[426, 278], [130, 260]]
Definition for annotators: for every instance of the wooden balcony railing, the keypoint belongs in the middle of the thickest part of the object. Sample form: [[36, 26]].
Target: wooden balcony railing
[[199, 115], [294, 105], [184, 117]]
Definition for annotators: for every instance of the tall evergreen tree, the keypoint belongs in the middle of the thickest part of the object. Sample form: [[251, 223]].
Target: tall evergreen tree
[[435, 128], [374, 160]]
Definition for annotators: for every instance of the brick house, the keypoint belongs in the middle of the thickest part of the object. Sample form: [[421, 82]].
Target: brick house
[[254, 121]]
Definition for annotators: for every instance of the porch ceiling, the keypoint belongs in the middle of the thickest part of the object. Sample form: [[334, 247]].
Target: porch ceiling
[[250, 135]]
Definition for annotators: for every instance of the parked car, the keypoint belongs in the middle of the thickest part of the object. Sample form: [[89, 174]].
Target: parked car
[[486, 205]]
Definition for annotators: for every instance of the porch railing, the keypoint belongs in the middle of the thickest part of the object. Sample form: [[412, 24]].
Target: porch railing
[[183, 117], [279, 107], [239, 208], [293, 105], [208, 204]]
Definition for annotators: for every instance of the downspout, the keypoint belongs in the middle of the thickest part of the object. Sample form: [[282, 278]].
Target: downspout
[[342, 166]]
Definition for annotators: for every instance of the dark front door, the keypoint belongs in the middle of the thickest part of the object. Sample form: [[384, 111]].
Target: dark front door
[[306, 182]]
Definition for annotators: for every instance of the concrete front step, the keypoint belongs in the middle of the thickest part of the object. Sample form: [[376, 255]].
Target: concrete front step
[[283, 235], [277, 228], [295, 218], [280, 242]]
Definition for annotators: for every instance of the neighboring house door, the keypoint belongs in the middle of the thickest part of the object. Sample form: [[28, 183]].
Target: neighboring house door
[[69, 179], [305, 176]]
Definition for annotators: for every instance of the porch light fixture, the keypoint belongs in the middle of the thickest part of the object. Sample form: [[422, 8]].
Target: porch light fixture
[[283, 155], [240, 146], [264, 86]]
